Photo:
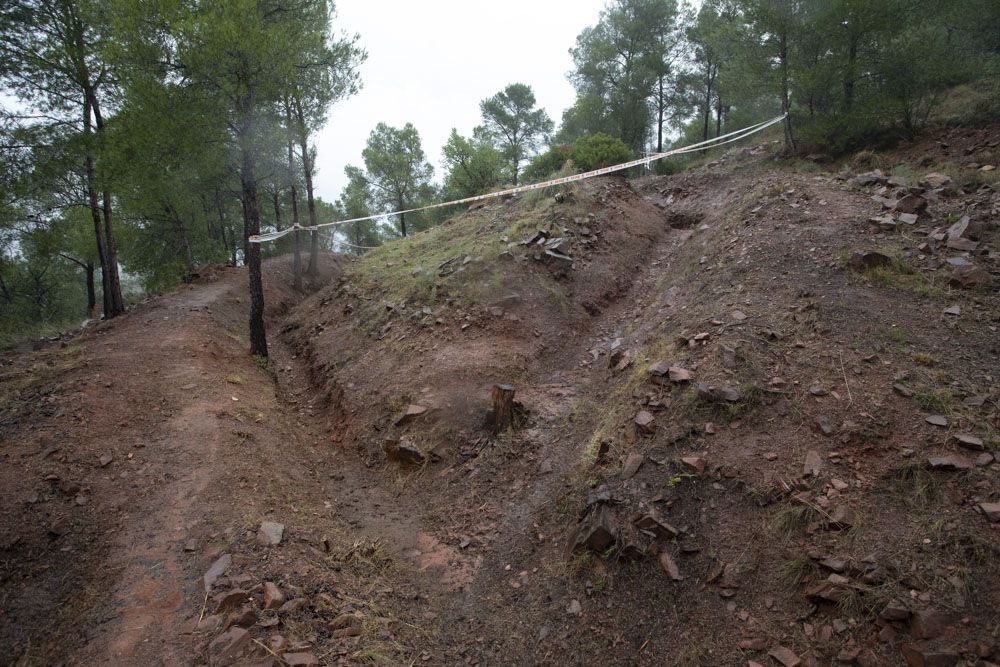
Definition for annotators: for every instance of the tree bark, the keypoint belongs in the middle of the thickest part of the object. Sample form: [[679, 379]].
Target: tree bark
[[95, 213], [659, 117], [503, 407], [114, 280], [277, 210], [251, 226], [307, 170], [785, 97], [708, 107], [91, 290], [297, 256]]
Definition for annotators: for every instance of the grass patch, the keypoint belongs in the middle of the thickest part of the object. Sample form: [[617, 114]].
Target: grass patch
[[915, 485], [938, 401], [794, 518], [797, 570], [901, 276]]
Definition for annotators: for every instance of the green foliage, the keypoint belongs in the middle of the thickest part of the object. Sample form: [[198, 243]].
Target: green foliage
[[599, 150], [589, 152], [474, 167], [547, 163], [513, 125], [397, 174]]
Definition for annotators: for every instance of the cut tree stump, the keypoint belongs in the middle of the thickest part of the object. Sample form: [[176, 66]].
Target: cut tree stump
[[503, 407]]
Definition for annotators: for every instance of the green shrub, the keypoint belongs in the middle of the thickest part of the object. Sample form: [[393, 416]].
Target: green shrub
[[546, 164], [599, 150]]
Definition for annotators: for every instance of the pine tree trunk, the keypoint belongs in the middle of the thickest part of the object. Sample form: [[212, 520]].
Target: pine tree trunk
[[91, 290], [116, 302], [785, 96], [307, 170], [95, 213], [297, 257], [251, 226], [659, 118]]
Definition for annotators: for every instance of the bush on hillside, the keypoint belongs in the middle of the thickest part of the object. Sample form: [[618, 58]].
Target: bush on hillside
[[587, 153], [595, 151], [546, 164]]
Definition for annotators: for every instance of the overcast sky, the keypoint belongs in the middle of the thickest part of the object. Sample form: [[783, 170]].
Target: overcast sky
[[431, 62]]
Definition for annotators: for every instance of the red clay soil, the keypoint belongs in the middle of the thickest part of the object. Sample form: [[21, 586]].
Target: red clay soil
[[776, 497]]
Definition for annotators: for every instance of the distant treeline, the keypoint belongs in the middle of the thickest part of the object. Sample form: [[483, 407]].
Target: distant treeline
[[158, 135]]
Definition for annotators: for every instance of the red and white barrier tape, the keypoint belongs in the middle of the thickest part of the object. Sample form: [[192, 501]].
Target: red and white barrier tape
[[702, 145]]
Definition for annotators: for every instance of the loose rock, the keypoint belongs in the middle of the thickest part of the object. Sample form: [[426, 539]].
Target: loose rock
[[218, 568], [785, 656], [670, 567], [270, 533], [273, 597]]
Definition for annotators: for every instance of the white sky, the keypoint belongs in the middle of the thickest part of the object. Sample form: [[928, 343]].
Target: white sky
[[430, 63]]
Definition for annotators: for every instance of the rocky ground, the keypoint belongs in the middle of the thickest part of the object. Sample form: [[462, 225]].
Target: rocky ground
[[756, 424]]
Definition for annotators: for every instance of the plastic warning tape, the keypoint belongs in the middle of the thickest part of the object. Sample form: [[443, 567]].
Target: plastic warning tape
[[700, 146]]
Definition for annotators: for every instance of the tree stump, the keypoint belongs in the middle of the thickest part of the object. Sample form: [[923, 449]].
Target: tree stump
[[503, 407]]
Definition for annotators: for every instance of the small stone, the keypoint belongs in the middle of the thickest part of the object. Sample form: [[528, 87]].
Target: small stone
[[653, 523], [817, 390], [106, 459], [785, 656], [273, 597], [229, 644], [771, 456], [950, 462], [895, 611], [936, 420], [218, 568], [300, 659], [824, 426], [294, 605], [969, 442], [917, 656], [678, 374], [696, 463], [597, 533], [343, 621], [632, 464], [842, 517], [930, 623], [812, 465], [670, 567], [935, 181], [739, 315], [839, 484], [991, 511], [645, 422], [403, 451], [867, 261], [229, 600], [710, 428], [412, 412], [969, 276], [574, 608], [270, 533], [953, 310], [903, 390], [984, 460], [911, 204], [346, 632]]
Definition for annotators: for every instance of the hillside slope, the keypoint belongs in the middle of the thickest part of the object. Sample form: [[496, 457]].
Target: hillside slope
[[738, 439], [786, 480]]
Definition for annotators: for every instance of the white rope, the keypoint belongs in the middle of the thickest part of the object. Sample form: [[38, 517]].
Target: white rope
[[721, 140]]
